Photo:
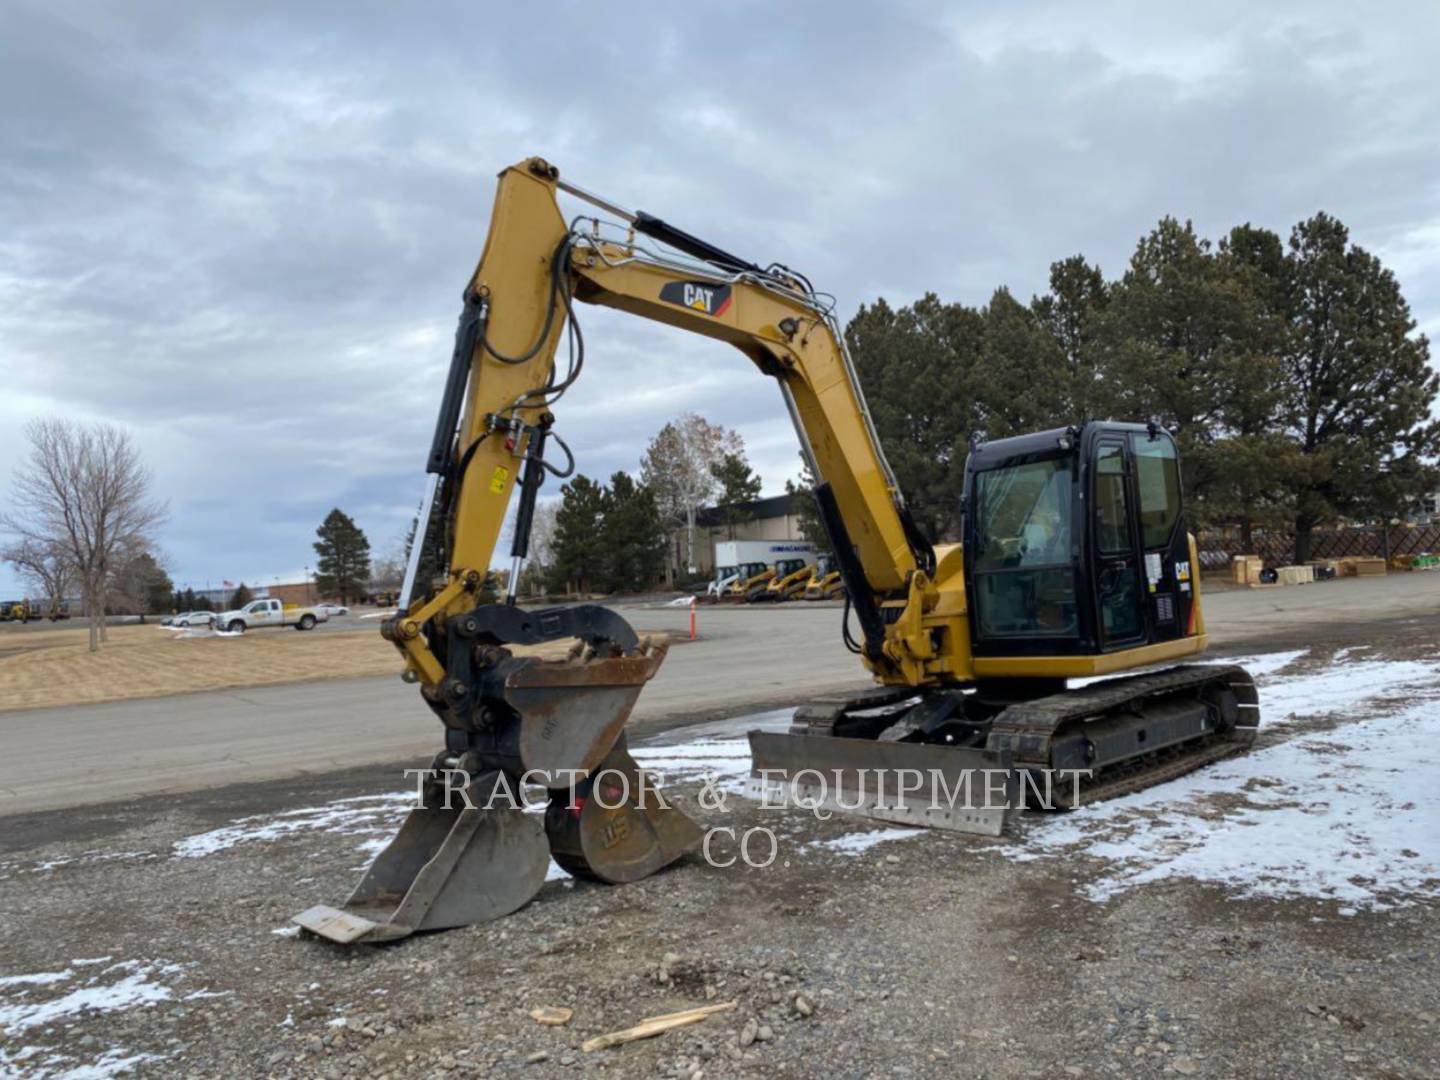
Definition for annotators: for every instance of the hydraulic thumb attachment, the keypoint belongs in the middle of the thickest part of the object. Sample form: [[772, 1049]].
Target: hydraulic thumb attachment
[[532, 701]]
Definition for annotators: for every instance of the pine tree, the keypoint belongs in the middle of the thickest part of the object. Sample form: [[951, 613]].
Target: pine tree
[[1023, 385], [1359, 387], [431, 566], [632, 537], [739, 484], [240, 597], [1071, 310], [918, 366], [1184, 344], [343, 569], [811, 527], [579, 565]]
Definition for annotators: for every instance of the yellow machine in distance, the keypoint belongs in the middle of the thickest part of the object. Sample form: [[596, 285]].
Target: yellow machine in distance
[[824, 583], [1075, 562], [748, 577], [788, 579]]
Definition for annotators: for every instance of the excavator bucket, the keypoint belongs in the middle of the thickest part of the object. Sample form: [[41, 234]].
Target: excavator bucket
[[554, 715], [446, 867], [918, 784], [619, 827]]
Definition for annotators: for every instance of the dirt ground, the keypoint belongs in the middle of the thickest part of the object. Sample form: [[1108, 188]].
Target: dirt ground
[[1228, 924]]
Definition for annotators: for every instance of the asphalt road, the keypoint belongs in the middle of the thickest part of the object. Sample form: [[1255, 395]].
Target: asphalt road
[[746, 658]]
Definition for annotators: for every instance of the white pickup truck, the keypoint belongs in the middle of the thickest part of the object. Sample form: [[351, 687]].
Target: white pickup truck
[[268, 613]]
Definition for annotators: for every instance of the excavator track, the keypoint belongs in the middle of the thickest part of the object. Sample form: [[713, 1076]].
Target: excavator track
[[1058, 751], [1033, 730]]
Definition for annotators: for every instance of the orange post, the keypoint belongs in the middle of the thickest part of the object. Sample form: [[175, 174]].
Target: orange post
[[692, 618]]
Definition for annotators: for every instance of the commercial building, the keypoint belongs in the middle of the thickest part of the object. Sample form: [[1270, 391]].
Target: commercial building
[[775, 518]]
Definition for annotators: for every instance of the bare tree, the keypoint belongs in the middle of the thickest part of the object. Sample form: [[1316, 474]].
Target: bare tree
[[44, 566], [387, 571], [84, 489], [679, 469]]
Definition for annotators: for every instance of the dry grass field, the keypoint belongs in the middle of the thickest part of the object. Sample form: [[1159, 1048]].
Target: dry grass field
[[40, 668], [54, 667]]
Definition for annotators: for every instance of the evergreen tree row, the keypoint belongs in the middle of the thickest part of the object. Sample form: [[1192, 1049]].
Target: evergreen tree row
[[1289, 372], [608, 538]]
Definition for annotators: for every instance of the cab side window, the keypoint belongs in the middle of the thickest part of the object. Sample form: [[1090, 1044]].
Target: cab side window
[[1157, 475], [1112, 530]]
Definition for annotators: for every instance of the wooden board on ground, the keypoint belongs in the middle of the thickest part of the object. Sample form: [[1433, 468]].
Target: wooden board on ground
[[654, 1025]]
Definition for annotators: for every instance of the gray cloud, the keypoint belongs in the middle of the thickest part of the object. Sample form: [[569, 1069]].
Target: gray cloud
[[241, 230]]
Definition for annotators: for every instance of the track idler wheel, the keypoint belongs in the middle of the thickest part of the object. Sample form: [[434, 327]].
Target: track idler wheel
[[617, 827]]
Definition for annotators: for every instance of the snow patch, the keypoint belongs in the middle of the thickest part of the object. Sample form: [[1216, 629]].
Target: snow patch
[[1345, 688], [40, 978], [364, 816], [137, 988], [1347, 814], [10, 869], [857, 843], [113, 1062]]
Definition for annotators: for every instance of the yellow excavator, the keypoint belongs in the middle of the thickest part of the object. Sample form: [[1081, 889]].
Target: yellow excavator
[[1074, 563]]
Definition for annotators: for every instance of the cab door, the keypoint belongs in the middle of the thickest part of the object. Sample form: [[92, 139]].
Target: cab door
[[1115, 550]]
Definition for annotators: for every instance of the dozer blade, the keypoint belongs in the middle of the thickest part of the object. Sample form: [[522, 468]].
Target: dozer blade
[[618, 827], [917, 784], [445, 868]]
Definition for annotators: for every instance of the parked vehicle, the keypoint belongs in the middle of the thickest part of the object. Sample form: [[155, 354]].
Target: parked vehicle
[[269, 613], [333, 609], [194, 618], [791, 577]]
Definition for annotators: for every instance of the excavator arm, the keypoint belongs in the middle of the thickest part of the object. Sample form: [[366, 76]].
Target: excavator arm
[[494, 428]]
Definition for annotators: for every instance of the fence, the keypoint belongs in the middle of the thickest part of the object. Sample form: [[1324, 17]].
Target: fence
[[1278, 548]]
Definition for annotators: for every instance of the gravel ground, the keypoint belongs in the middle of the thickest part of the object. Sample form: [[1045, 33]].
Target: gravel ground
[[1155, 938]]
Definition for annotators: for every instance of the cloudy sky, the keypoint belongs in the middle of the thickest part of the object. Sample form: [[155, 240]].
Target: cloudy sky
[[241, 229]]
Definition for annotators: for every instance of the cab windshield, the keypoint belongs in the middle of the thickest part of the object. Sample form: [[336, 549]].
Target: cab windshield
[[1024, 581]]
